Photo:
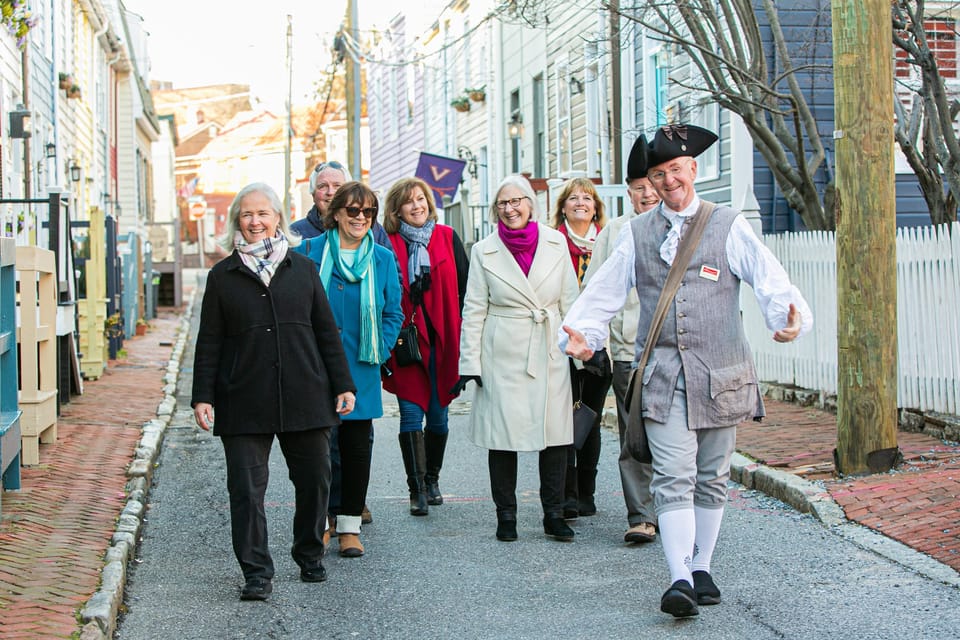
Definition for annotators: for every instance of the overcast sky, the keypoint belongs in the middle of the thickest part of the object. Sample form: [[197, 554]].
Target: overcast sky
[[194, 43]]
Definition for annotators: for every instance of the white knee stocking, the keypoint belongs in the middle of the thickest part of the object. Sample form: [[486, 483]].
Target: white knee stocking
[[677, 531], [708, 529]]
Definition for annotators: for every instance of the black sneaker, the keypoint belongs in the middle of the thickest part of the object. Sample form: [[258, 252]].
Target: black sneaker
[[313, 574], [707, 591], [256, 589], [556, 528], [679, 600]]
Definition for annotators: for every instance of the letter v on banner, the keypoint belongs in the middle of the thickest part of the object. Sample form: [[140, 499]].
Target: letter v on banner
[[441, 173]]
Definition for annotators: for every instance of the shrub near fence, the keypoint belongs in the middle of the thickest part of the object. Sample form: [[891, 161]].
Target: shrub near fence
[[928, 323]]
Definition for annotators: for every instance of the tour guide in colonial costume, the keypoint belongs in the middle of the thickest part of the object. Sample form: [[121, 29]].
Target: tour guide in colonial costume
[[700, 380]]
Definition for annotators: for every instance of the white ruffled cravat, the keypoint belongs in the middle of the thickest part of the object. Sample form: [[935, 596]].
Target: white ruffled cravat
[[668, 250]]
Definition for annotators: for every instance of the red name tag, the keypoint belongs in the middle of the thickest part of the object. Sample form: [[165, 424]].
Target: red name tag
[[710, 273]]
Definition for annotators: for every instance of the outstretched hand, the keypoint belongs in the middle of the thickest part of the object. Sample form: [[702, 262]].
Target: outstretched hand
[[462, 384], [792, 330], [577, 344]]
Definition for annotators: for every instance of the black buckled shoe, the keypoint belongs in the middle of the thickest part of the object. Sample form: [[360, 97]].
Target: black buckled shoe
[[707, 591], [256, 589], [557, 528], [313, 574], [679, 600]]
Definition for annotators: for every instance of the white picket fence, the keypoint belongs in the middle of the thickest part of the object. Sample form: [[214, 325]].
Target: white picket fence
[[928, 316]]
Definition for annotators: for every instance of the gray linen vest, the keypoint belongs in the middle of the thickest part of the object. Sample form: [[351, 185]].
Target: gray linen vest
[[702, 333]]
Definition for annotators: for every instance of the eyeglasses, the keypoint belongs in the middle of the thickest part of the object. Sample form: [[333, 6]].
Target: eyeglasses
[[513, 202], [368, 212], [659, 177]]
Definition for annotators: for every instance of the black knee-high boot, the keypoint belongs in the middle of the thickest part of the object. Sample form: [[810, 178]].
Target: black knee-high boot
[[435, 445], [414, 456]]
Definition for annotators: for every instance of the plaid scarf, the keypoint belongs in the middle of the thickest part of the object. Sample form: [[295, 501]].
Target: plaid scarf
[[363, 271], [262, 257]]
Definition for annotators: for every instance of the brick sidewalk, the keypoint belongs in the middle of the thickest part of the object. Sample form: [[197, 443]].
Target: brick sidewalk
[[917, 504], [54, 531]]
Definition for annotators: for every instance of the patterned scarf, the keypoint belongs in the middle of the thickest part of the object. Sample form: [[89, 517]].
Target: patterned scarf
[[522, 243], [417, 239], [363, 271], [262, 257], [581, 247]]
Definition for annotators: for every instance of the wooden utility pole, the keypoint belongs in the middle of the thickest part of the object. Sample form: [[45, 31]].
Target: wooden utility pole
[[866, 238], [352, 67], [288, 142]]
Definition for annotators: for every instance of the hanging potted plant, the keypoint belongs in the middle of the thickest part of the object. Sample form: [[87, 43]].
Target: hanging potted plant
[[73, 91], [66, 81], [478, 94], [461, 104]]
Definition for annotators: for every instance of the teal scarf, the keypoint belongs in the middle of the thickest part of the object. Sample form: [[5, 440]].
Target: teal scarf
[[364, 272]]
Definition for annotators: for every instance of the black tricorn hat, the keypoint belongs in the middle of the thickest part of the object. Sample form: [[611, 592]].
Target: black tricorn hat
[[671, 141]]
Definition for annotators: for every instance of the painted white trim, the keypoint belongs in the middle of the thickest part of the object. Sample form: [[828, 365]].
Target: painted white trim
[[741, 158]]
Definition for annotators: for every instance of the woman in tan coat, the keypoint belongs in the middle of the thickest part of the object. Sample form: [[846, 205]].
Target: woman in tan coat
[[519, 287]]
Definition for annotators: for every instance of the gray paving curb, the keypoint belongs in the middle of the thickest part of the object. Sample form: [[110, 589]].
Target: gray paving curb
[[99, 614], [809, 497]]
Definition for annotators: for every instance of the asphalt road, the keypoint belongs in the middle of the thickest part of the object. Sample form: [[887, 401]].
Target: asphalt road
[[783, 575]]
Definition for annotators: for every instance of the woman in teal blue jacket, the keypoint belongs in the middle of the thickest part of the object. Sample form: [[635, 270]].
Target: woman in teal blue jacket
[[363, 288]]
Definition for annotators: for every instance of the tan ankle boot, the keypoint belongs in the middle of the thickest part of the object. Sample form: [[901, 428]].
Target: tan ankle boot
[[350, 546], [348, 531]]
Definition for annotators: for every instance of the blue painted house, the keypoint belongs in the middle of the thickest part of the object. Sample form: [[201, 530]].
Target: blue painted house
[[735, 166]]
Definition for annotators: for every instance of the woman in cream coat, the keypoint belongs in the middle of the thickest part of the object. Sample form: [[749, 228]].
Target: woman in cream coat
[[519, 287]]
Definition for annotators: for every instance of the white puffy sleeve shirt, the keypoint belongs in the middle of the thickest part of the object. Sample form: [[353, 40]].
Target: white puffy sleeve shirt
[[749, 259]]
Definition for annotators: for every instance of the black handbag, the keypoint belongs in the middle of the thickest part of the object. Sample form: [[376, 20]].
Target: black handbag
[[583, 419], [407, 351]]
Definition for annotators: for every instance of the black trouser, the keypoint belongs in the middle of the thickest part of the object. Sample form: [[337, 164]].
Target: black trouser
[[307, 454], [503, 480], [354, 440], [582, 465]]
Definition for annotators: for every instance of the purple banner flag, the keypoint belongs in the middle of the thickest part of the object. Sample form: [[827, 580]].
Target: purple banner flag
[[441, 173]]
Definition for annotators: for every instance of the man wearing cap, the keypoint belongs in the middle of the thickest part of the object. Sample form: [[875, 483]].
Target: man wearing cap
[[325, 179], [634, 476], [700, 381]]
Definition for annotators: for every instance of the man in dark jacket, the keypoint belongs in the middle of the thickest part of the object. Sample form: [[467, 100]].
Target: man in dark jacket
[[325, 179]]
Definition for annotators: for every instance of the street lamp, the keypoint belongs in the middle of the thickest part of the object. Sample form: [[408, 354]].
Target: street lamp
[[20, 126], [515, 126], [51, 150], [74, 171]]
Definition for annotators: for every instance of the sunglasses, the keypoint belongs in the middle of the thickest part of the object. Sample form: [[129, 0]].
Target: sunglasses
[[333, 164], [368, 212]]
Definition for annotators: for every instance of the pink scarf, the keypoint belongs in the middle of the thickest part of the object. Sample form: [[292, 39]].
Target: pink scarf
[[522, 243]]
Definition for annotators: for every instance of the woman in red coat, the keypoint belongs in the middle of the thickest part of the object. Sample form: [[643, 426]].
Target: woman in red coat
[[433, 272]]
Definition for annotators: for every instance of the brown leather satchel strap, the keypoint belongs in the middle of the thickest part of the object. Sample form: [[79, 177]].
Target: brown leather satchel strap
[[685, 250]]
